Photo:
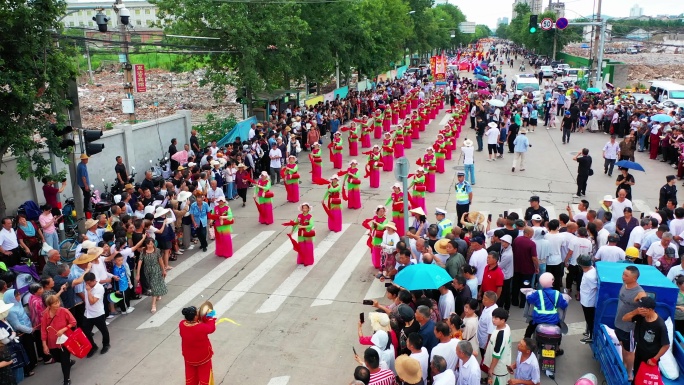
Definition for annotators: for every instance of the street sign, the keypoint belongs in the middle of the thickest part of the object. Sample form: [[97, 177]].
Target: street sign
[[562, 23], [546, 24], [402, 170]]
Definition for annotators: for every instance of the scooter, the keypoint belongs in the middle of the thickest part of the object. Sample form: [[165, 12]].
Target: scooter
[[117, 188], [99, 205], [161, 171], [547, 336]]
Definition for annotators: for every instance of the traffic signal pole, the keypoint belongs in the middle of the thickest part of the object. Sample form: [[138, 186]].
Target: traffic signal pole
[[75, 122]]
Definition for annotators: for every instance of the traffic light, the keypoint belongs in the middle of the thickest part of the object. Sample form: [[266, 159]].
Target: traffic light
[[533, 23], [89, 136], [60, 132]]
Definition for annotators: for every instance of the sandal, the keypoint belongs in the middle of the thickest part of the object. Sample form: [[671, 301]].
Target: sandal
[[154, 309], [50, 361], [29, 374]]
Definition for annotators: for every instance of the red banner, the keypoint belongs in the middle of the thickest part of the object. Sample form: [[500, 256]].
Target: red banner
[[140, 82]]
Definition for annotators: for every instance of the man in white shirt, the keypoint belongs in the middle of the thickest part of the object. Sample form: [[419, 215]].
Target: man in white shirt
[[610, 252], [446, 347], [469, 161], [478, 259], [441, 374], [213, 194], [619, 204], [583, 206], [677, 228], [485, 326], [657, 249], [588, 293], [9, 245], [447, 305], [95, 313], [492, 135], [414, 343], [675, 271], [611, 152], [275, 155], [554, 262], [469, 370], [214, 149], [601, 233], [636, 237]]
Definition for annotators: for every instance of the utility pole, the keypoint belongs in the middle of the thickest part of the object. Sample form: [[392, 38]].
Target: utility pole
[[75, 122], [555, 41], [87, 50], [128, 67], [598, 39]]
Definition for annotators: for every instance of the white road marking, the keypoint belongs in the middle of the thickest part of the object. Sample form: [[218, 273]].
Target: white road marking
[[230, 298], [574, 329], [173, 307], [641, 206], [445, 120], [279, 380], [190, 262], [376, 290], [342, 274], [297, 276]]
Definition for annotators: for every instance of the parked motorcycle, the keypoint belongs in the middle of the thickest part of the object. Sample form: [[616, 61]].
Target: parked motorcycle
[[160, 172], [98, 201]]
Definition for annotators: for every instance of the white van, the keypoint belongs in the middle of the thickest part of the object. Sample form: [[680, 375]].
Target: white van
[[666, 90], [525, 83]]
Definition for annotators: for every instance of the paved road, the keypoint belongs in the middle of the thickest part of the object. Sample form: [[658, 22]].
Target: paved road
[[297, 325]]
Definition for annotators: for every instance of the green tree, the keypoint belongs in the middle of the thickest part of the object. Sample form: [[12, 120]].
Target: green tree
[[34, 77], [386, 26], [258, 44], [502, 31], [456, 17]]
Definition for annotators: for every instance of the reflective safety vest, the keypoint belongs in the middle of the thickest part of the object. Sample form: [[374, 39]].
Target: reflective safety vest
[[543, 310], [446, 225], [461, 193]]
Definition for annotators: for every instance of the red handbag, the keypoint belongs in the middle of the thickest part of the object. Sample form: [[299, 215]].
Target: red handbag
[[268, 194], [77, 343], [294, 176], [421, 188], [648, 374], [335, 201], [354, 181], [399, 206]]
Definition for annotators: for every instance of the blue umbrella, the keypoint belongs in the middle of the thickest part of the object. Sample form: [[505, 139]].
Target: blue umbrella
[[630, 165], [594, 90], [482, 77], [422, 276], [661, 118]]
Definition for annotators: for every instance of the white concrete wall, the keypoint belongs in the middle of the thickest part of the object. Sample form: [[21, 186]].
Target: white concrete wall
[[137, 144]]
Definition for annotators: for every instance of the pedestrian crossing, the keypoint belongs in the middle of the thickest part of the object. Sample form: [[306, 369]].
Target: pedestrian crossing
[[274, 252]]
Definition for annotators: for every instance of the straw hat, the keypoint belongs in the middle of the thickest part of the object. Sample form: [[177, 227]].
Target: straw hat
[[90, 223], [128, 186], [379, 321], [241, 165], [92, 254], [418, 211], [408, 369], [84, 156], [440, 246], [391, 225], [468, 143], [476, 217]]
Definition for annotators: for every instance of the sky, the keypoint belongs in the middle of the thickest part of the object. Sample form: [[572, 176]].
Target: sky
[[494, 9]]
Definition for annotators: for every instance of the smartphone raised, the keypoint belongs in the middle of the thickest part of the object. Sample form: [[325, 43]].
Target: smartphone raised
[[505, 214], [354, 350], [367, 302], [361, 318], [489, 217]]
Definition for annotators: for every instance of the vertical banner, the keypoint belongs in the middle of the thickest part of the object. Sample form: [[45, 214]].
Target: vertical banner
[[433, 65], [440, 68], [140, 82]]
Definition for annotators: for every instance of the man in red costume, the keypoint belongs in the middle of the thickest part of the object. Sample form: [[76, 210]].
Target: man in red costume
[[196, 347]]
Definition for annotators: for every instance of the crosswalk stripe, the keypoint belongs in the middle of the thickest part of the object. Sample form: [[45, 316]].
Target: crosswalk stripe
[[376, 290], [299, 273], [230, 298], [342, 274], [444, 120], [188, 263], [641, 206], [283, 380], [173, 307]]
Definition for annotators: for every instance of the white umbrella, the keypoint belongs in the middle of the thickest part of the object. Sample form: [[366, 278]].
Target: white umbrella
[[496, 102]]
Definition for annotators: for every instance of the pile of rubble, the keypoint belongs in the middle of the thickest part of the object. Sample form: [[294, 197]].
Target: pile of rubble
[[643, 66], [166, 93]]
